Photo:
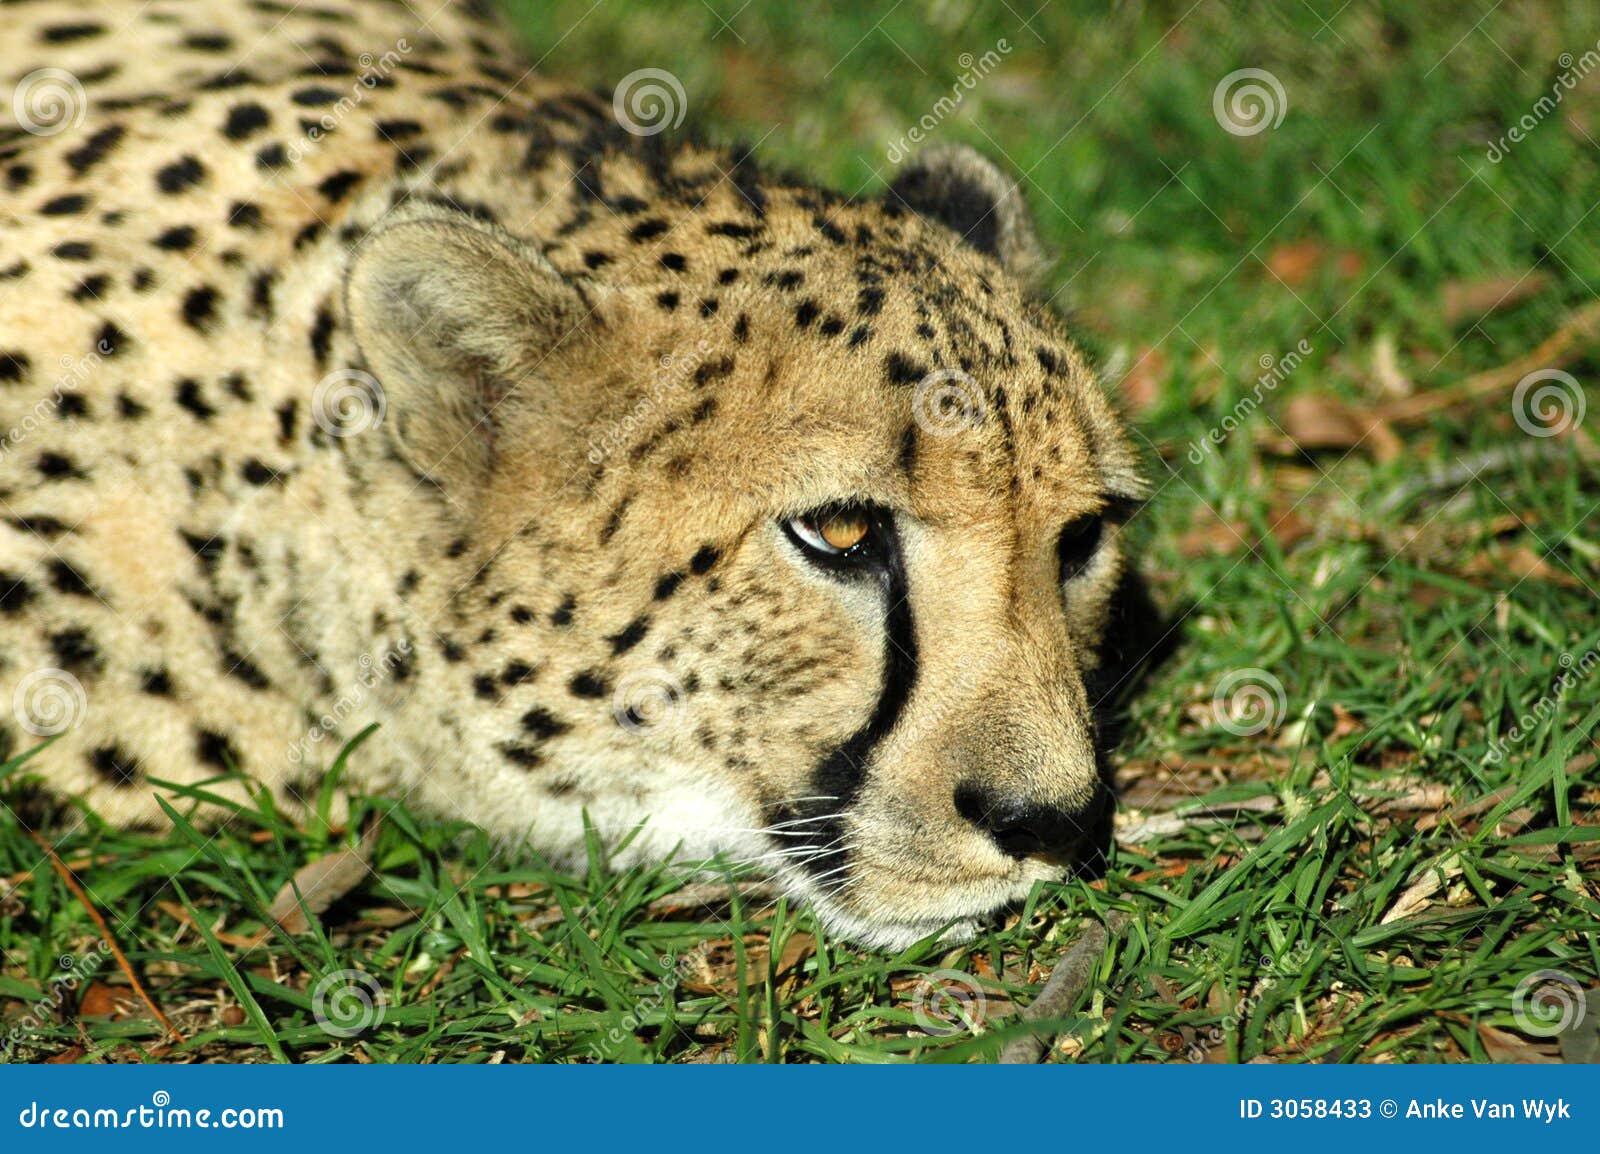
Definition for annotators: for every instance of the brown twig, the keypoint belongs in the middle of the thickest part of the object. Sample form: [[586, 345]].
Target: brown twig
[[105, 931], [1488, 801], [81, 863], [1172, 870], [1566, 344], [1061, 990], [715, 893]]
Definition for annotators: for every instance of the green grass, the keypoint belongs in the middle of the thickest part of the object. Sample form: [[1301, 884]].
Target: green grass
[[1409, 627]]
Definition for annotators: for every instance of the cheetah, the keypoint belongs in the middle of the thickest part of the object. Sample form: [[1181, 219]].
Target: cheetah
[[355, 374]]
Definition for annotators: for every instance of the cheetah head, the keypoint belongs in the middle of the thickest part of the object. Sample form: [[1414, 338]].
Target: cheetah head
[[806, 540]]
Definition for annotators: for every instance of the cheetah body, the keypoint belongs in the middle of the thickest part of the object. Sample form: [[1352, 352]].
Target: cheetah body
[[355, 374]]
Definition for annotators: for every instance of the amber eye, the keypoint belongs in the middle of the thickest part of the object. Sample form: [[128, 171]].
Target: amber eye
[[833, 532]]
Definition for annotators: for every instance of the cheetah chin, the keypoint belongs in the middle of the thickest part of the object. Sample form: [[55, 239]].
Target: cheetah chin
[[355, 374]]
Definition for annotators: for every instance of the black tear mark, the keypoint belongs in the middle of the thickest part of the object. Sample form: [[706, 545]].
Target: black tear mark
[[839, 776]]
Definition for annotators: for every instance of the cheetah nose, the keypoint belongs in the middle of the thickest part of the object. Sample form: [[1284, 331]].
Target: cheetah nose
[[1026, 827]]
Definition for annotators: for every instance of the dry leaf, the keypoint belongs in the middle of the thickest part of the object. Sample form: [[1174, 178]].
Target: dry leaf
[[1418, 896], [1210, 535], [1142, 383], [1289, 528], [386, 918], [1344, 722], [1299, 261], [1463, 301], [102, 1001], [1505, 1047], [1391, 379], [1511, 563], [320, 884], [1314, 423], [1293, 264], [240, 941], [796, 950]]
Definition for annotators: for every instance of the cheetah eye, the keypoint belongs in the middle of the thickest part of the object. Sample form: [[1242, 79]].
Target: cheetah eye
[[839, 533], [1076, 546]]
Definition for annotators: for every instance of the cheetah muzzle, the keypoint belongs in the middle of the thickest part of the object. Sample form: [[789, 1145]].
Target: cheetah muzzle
[[612, 479]]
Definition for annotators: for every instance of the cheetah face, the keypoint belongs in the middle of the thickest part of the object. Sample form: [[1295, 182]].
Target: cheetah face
[[835, 562]]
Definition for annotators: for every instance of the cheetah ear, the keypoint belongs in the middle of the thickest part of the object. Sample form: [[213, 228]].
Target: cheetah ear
[[965, 191], [452, 315]]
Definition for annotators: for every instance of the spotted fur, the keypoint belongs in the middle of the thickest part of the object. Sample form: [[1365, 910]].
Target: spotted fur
[[555, 573]]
